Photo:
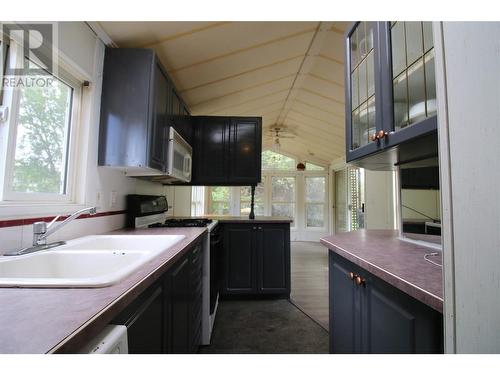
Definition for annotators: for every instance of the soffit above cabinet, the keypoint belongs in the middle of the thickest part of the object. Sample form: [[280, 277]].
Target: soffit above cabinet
[[289, 73]]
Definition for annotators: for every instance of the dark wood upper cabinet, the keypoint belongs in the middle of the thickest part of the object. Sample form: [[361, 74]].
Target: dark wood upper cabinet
[[127, 111], [245, 150], [390, 92], [227, 150], [138, 104]]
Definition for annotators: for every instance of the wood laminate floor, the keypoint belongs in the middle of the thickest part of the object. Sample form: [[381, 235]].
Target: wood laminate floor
[[310, 280]]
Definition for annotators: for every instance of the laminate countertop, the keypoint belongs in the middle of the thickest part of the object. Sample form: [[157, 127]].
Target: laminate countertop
[[399, 263], [61, 320], [240, 219]]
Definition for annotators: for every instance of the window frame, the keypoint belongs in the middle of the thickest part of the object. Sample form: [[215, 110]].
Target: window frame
[[12, 101]]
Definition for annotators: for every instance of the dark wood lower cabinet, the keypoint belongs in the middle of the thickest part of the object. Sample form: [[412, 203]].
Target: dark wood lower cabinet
[[256, 259], [375, 317], [166, 318]]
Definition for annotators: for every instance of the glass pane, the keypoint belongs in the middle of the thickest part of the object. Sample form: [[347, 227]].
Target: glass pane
[[355, 89], [362, 40], [283, 209], [363, 127], [246, 193], [400, 93], [414, 42], [219, 193], [258, 209], [283, 189], [430, 83], [40, 161], [313, 167], [416, 91], [428, 41], [369, 39], [356, 125], [315, 215], [362, 82], [354, 49], [315, 189], [219, 208], [370, 74], [272, 160], [371, 115], [398, 48]]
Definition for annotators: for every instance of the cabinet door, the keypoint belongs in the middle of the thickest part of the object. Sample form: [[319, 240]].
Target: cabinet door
[[408, 80], [180, 300], [144, 323], [245, 149], [195, 306], [345, 311], [158, 139], [273, 254], [240, 262], [363, 99], [395, 323], [210, 151]]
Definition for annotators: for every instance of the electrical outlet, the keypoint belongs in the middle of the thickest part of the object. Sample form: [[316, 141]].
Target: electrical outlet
[[112, 198]]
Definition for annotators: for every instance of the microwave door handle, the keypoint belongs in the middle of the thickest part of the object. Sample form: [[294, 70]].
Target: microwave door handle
[[187, 165]]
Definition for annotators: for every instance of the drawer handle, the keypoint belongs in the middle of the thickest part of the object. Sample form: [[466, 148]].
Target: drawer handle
[[360, 280]]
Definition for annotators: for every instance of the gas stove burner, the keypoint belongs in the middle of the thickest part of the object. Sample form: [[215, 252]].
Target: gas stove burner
[[182, 223]]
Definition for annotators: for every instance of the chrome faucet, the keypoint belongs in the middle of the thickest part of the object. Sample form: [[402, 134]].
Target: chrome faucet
[[41, 230]]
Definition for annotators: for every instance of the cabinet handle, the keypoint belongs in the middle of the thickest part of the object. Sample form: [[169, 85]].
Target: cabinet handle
[[374, 137], [352, 275], [360, 280], [254, 228], [381, 134], [260, 228]]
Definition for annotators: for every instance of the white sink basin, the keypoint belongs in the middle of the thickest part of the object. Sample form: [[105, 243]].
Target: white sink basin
[[92, 261]]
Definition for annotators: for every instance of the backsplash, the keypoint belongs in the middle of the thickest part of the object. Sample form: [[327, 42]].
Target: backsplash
[[17, 237]]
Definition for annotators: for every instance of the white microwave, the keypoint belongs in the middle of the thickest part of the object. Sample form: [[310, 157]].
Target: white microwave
[[179, 157]]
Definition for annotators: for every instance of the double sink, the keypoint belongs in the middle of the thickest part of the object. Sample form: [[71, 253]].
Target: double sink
[[86, 262]]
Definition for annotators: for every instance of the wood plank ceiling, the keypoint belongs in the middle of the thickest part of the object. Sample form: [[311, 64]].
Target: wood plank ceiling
[[290, 73]]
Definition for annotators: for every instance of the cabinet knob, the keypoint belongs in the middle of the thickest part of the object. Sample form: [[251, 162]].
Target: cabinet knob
[[260, 228], [381, 134], [352, 275], [254, 228], [360, 280], [373, 137]]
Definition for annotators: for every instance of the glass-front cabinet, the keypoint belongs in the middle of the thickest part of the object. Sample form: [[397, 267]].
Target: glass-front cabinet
[[362, 90], [390, 85]]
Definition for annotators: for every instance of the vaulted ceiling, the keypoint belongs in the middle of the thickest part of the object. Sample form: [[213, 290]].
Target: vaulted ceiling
[[290, 73]]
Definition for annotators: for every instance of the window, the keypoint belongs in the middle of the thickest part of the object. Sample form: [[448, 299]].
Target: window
[[313, 167], [259, 198], [219, 198], [283, 196], [197, 201], [274, 161], [315, 201], [38, 163]]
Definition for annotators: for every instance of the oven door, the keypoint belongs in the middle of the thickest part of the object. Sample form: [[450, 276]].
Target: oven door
[[179, 158]]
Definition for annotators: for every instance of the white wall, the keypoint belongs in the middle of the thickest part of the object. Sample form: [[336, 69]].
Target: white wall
[[468, 84], [379, 200]]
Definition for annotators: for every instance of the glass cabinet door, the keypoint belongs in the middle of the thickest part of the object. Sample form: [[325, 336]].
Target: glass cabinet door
[[361, 77], [413, 81]]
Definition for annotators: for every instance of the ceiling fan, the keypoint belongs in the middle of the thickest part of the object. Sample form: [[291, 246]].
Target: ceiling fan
[[277, 133]]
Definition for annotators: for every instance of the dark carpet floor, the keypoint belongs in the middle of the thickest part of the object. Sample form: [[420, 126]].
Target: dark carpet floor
[[265, 327]]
